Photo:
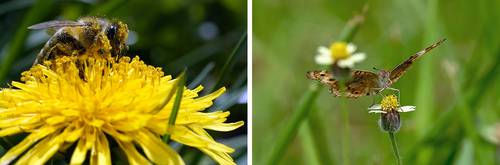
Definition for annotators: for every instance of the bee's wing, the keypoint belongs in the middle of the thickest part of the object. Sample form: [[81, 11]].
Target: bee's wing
[[56, 24], [397, 72]]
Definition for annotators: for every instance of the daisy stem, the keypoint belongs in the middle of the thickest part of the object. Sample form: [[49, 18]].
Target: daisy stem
[[290, 130], [177, 103], [347, 133], [395, 147], [316, 126]]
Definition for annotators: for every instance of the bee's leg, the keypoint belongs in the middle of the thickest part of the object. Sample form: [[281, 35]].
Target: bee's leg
[[61, 44]]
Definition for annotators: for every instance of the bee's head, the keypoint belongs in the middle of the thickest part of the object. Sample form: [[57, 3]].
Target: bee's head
[[385, 79], [117, 33]]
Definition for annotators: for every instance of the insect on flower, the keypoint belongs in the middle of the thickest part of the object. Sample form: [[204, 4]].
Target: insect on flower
[[76, 37], [363, 83]]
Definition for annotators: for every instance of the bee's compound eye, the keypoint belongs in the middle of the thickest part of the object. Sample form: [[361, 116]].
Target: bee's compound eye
[[111, 32]]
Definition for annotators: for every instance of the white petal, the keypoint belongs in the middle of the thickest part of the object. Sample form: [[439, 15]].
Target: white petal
[[406, 108], [351, 48], [323, 60], [323, 50], [375, 107], [376, 111], [346, 63], [323, 57], [358, 57]]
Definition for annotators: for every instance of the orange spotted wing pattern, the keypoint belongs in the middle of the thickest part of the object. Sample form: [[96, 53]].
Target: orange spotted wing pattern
[[397, 72], [361, 83], [364, 83]]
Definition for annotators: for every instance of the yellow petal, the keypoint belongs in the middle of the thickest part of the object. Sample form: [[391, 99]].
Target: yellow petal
[[74, 135], [10, 131], [212, 96], [224, 126], [90, 135], [117, 135], [18, 121], [213, 145], [96, 123], [15, 151], [133, 157], [185, 136], [100, 153], [220, 157], [55, 120], [25, 88], [42, 151], [80, 152], [156, 150], [199, 139]]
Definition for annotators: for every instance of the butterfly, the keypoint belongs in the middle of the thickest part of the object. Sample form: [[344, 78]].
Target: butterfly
[[364, 83]]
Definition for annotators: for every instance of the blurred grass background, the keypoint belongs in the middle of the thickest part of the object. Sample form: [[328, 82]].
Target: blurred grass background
[[455, 87], [172, 34]]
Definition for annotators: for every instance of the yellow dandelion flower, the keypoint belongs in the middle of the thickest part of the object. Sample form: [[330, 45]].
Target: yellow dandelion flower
[[83, 101]]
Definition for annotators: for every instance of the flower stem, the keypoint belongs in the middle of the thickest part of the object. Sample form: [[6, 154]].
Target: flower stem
[[316, 126], [395, 147], [346, 135], [285, 137]]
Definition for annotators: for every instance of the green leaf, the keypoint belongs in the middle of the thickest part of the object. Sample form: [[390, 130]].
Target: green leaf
[[177, 103]]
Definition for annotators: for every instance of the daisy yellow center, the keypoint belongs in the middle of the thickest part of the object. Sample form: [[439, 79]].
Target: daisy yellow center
[[339, 50], [389, 103]]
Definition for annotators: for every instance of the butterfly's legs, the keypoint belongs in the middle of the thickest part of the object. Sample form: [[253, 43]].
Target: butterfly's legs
[[373, 100]]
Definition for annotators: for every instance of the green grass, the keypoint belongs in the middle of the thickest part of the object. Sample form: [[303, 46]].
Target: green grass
[[454, 87]]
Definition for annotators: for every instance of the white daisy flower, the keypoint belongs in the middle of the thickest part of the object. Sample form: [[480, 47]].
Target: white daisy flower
[[341, 53], [389, 103], [389, 110]]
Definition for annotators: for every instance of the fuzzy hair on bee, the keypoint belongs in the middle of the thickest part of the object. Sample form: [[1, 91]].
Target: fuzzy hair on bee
[[73, 38]]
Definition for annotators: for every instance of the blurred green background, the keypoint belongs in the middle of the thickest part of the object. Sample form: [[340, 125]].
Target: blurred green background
[[172, 34], [455, 87]]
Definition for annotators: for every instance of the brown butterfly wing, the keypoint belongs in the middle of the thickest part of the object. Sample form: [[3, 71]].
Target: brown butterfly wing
[[397, 72], [326, 78], [362, 83]]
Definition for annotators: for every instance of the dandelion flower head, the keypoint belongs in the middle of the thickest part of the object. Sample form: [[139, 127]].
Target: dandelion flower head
[[86, 102]]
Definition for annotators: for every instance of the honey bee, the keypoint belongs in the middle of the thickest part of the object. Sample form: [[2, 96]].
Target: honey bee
[[73, 38]]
